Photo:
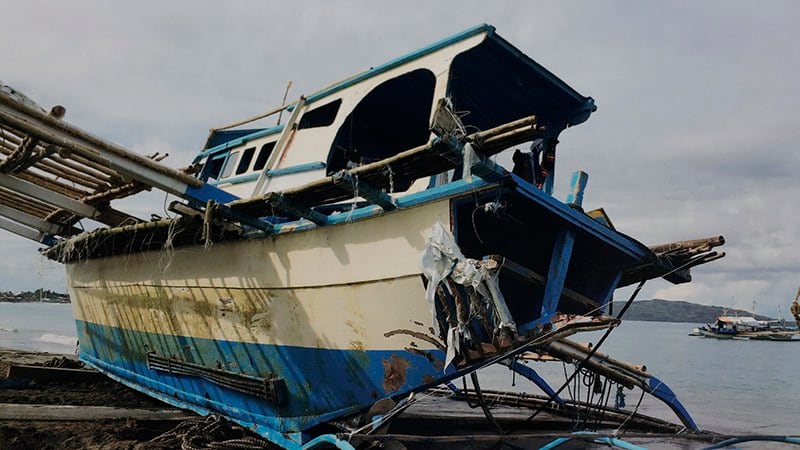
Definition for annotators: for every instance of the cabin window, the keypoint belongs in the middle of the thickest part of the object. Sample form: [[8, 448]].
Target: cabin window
[[229, 164], [244, 162], [321, 116], [212, 168], [391, 118], [263, 155]]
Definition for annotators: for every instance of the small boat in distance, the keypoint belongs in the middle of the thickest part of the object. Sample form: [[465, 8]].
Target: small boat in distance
[[745, 329]]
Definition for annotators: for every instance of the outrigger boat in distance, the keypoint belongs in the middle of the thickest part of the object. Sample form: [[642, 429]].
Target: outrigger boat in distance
[[397, 232], [746, 329]]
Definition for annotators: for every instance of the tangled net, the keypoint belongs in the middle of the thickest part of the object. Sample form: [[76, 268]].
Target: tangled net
[[212, 432]]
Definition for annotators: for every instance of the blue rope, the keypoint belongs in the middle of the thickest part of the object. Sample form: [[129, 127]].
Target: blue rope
[[599, 439]]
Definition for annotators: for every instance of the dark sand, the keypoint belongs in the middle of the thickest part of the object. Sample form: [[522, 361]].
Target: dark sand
[[98, 434]]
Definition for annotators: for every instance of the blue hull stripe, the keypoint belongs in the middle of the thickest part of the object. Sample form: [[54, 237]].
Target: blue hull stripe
[[322, 384]]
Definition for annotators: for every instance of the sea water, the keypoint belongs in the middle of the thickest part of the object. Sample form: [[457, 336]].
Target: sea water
[[727, 386], [41, 327]]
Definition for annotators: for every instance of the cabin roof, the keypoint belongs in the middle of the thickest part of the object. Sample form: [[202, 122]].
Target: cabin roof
[[494, 57]]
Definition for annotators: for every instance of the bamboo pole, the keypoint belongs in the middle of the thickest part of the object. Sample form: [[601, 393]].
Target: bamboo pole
[[253, 118], [526, 123], [90, 146], [61, 172], [638, 370], [563, 351], [53, 185], [24, 205], [90, 172]]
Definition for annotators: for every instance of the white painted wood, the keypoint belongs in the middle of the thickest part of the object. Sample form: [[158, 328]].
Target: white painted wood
[[20, 230], [29, 220], [340, 286], [50, 197]]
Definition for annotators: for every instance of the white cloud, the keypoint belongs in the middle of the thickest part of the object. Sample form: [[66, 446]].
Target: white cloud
[[695, 134]]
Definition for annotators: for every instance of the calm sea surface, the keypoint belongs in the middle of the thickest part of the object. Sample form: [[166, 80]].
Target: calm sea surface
[[727, 386]]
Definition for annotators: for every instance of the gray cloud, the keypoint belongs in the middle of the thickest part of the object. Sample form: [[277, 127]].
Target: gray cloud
[[695, 133]]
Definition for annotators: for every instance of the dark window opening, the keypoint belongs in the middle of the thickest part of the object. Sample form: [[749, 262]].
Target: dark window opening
[[212, 168], [244, 163], [321, 116], [228, 169], [393, 117], [263, 155]]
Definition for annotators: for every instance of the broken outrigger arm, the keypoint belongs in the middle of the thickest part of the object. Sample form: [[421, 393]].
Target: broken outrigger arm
[[53, 174], [623, 373]]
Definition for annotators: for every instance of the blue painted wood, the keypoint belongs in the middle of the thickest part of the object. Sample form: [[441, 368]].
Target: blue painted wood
[[577, 184], [307, 167], [345, 380], [582, 222], [206, 192], [662, 392], [359, 188], [531, 375], [235, 142], [557, 274], [608, 294], [466, 34], [236, 180], [547, 187]]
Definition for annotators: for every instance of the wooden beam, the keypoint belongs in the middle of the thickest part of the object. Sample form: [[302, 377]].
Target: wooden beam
[[281, 203], [280, 147], [47, 196], [23, 412], [343, 180], [30, 221], [557, 274], [23, 231]]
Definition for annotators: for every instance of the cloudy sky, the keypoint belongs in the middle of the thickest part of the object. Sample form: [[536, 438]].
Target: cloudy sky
[[695, 134]]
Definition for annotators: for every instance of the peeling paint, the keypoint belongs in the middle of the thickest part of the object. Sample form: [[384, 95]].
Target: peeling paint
[[418, 335], [394, 373]]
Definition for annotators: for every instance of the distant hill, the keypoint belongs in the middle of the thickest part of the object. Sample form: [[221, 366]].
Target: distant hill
[[657, 310]]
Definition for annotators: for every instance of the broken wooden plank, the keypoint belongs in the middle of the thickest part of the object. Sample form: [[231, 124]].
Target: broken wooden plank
[[9, 411]]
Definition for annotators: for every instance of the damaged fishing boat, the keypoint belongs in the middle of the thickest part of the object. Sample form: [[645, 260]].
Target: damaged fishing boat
[[398, 231]]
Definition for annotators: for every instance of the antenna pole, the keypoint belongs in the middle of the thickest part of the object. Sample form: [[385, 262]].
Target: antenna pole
[[286, 94]]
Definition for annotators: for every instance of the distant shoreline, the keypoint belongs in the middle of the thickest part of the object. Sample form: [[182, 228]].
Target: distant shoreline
[[37, 296], [60, 302]]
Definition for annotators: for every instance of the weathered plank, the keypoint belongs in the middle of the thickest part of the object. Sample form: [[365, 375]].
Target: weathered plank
[[9, 411]]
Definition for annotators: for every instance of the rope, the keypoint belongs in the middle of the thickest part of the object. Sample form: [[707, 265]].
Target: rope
[[633, 413], [589, 355], [211, 433], [482, 401]]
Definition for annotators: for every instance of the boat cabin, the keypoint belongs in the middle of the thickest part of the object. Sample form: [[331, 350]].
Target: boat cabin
[[727, 324], [389, 108]]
